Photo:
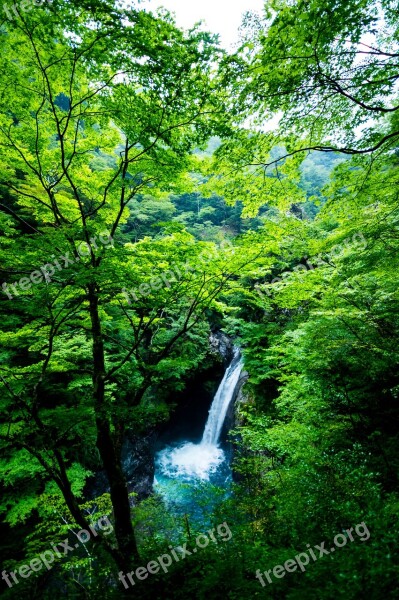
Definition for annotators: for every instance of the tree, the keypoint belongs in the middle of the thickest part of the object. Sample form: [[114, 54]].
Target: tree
[[330, 68], [319, 76], [92, 116]]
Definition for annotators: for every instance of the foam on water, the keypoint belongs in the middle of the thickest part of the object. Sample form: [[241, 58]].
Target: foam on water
[[190, 461]]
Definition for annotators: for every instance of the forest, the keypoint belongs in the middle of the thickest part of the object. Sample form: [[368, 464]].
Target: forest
[[199, 309]]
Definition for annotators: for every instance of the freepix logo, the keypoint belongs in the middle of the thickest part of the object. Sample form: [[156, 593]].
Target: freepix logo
[[13, 12], [302, 559], [60, 550], [176, 554], [47, 271]]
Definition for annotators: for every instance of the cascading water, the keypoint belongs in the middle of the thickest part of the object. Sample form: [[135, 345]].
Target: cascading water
[[221, 402], [189, 461]]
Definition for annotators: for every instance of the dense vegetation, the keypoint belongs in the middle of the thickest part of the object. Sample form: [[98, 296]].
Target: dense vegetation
[[139, 211]]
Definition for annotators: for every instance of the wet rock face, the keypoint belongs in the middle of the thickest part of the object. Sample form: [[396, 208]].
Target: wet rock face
[[138, 466], [237, 450], [222, 345], [242, 397], [239, 397]]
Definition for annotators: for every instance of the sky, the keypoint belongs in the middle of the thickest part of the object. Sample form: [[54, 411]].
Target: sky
[[221, 16]]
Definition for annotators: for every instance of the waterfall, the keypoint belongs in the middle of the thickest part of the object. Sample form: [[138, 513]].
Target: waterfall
[[221, 402], [187, 460]]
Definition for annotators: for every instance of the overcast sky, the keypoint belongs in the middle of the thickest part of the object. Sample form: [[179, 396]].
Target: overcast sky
[[221, 16]]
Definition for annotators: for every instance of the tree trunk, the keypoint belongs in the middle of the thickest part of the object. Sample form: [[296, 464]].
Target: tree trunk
[[110, 456]]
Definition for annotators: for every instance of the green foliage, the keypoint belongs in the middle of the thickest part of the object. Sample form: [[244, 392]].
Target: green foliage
[[117, 126]]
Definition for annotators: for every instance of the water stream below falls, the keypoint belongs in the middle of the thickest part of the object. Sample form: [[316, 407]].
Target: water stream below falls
[[182, 468]]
